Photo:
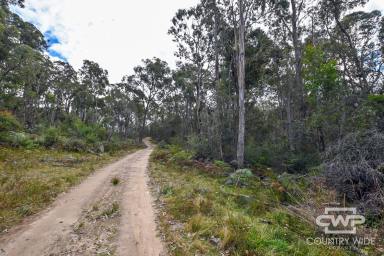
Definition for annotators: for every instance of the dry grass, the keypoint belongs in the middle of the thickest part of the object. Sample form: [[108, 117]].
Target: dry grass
[[199, 215]]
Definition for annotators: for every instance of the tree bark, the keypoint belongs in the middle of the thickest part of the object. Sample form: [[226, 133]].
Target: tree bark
[[217, 82], [241, 84], [289, 118], [298, 67]]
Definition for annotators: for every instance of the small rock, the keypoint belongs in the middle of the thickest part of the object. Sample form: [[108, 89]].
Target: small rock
[[266, 222], [176, 226], [214, 240]]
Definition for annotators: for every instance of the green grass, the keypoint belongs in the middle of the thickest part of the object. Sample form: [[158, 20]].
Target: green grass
[[199, 215], [31, 179]]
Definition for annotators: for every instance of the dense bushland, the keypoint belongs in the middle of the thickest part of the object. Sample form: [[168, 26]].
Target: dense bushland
[[71, 135]]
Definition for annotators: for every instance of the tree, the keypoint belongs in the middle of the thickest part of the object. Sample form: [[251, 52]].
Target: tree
[[148, 83], [190, 34], [241, 84], [94, 81]]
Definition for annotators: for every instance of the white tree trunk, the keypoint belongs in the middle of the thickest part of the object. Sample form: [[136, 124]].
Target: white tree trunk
[[241, 84]]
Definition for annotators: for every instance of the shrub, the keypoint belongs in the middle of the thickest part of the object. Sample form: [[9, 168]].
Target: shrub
[[8, 122], [74, 127], [76, 145], [51, 137], [116, 144], [200, 146], [240, 177], [223, 166], [18, 139], [162, 144], [354, 167], [298, 163], [182, 157]]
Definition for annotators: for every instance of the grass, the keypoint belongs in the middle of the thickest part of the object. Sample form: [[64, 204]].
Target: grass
[[111, 210], [115, 181], [199, 215], [31, 179]]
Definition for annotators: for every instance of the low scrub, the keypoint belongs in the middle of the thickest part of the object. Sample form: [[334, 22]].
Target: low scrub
[[202, 216], [8, 122], [355, 167]]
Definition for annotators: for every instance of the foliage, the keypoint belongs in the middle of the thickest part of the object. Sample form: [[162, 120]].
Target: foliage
[[18, 139], [200, 216], [51, 137], [8, 122], [75, 145], [240, 178], [321, 75], [223, 166], [200, 146], [354, 167]]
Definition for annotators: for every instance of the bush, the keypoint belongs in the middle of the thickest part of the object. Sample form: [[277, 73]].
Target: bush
[[200, 146], [182, 157], [354, 167], [222, 165], [76, 145], [8, 122], [162, 144], [91, 134], [18, 139], [298, 163], [51, 137], [116, 144], [240, 178]]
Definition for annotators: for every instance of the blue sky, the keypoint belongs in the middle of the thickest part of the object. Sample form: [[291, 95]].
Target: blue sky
[[117, 34], [52, 40]]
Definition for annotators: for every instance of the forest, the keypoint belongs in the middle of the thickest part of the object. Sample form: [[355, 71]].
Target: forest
[[292, 86]]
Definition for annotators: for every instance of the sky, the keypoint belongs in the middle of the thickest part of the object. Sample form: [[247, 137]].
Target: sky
[[117, 34]]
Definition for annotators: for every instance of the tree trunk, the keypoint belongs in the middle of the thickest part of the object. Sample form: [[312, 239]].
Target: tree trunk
[[298, 69], [199, 86], [241, 84], [289, 118], [217, 83]]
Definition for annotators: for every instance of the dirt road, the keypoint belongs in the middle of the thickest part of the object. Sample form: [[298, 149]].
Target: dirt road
[[96, 217]]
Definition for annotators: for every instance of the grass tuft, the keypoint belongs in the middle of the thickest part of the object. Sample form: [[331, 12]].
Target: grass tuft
[[115, 181]]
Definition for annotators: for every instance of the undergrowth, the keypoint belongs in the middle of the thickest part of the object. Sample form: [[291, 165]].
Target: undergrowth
[[200, 215]]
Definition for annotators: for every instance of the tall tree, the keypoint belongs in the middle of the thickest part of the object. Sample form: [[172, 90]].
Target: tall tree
[[148, 83], [241, 84]]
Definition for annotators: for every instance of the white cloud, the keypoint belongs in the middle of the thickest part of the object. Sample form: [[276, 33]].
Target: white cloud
[[117, 34], [376, 5]]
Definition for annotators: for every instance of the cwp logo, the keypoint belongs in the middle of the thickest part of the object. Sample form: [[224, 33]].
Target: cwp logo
[[337, 220]]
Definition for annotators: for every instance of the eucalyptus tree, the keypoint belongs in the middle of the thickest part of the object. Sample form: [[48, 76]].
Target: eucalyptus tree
[[148, 83], [290, 23], [190, 33], [89, 96], [242, 15], [358, 31], [64, 85]]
